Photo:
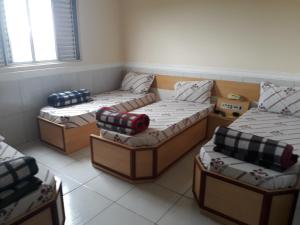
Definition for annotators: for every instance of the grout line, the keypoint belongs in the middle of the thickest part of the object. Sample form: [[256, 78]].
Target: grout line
[[101, 211], [134, 212], [169, 209]]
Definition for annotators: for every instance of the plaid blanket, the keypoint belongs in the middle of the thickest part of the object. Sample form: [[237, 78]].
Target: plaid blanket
[[69, 98], [126, 123], [257, 150], [16, 170], [18, 191]]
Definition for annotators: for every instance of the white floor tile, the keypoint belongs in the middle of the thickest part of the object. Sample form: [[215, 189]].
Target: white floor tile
[[46, 155], [80, 171], [82, 205], [68, 184], [84, 154], [186, 211], [109, 186], [117, 215], [149, 200], [189, 193], [179, 177]]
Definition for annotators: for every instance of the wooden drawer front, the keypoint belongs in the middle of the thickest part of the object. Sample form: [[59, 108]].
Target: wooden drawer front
[[234, 201], [52, 134], [177, 146], [144, 163], [112, 157]]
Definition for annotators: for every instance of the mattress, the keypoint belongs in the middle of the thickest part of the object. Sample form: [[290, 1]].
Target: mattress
[[167, 118], [31, 201], [85, 113], [270, 125]]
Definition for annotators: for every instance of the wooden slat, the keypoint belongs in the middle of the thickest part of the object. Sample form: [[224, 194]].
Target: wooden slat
[[79, 137], [51, 133], [197, 181], [170, 151], [236, 202], [250, 91], [111, 156], [66, 140], [280, 209], [144, 163]]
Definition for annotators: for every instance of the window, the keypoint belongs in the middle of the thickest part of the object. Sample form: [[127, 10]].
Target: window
[[37, 31]]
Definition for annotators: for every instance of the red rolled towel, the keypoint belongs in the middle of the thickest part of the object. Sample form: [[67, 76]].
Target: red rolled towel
[[127, 123]]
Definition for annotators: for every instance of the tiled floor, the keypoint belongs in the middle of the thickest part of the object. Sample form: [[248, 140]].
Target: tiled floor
[[95, 198]]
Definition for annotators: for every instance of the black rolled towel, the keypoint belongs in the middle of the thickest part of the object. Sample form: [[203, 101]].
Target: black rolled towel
[[272, 154], [15, 170], [18, 191]]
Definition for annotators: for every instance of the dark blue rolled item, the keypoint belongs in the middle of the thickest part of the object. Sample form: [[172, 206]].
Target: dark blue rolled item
[[69, 98]]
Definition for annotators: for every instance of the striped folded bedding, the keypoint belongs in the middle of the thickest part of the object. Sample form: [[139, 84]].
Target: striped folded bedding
[[18, 191], [69, 98], [34, 198], [125, 123], [16, 170], [265, 152]]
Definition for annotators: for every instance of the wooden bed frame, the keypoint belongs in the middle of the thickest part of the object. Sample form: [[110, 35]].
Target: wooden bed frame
[[232, 202], [74, 139], [64, 139], [51, 213], [140, 164]]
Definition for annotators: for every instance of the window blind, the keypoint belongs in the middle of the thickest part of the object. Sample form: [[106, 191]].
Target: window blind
[[5, 53], [66, 29]]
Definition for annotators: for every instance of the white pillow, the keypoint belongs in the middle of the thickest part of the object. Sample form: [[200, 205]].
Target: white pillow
[[137, 83], [194, 91], [1, 138], [279, 99]]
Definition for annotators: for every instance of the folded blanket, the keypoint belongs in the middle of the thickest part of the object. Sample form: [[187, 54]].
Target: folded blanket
[[122, 130], [261, 151], [69, 98], [15, 170], [127, 123], [18, 191]]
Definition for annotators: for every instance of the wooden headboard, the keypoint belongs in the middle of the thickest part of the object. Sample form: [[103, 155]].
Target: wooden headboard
[[250, 91]]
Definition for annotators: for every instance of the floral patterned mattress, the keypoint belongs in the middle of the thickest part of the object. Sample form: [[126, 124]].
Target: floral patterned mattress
[[167, 118], [82, 114], [270, 125], [31, 201]]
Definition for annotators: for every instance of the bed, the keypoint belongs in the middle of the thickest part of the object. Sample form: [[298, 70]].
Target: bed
[[270, 196], [175, 128], [68, 128], [44, 204], [146, 156]]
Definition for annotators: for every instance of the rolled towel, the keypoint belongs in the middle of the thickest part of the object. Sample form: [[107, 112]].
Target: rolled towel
[[261, 151], [18, 191], [16, 170], [127, 123], [69, 98]]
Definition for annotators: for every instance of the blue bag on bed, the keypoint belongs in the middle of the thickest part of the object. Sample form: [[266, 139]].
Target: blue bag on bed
[[69, 98]]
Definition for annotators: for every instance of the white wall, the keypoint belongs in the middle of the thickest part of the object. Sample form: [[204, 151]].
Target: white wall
[[255, 35], [99, 31]]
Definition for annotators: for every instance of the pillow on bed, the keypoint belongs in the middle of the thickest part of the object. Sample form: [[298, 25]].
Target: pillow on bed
[[194, 91], [279, 99], [137, 83]]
